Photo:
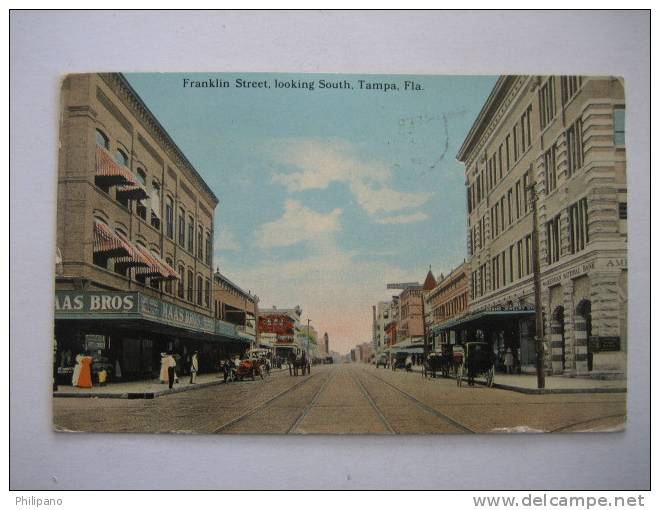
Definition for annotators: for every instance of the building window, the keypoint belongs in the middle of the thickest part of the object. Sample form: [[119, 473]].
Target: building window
[[574, 146], [518, 210], [526, 191], [623, 210], [511, 275], [121, 158], [191, 234], [154, 283], [552, 234], [578, 225], [528, 254], [519, 253], [547, 102], [155, 205], [182, 228], [182, 281], [508, 152], [140, 207], [169, 218], [208, 248], [200, 287], [570, 85], [619, 126], [102, 140], [207, 293], [168, 283], [515, 143], [200, 242], [190, 286], [550, 165]]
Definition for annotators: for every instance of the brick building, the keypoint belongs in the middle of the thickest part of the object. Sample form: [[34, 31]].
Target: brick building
[[447, 302]]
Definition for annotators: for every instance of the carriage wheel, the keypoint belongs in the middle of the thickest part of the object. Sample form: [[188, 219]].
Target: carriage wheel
[[490, 376]]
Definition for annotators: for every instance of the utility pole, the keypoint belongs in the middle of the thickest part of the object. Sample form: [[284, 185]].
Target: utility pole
[[307, 343], [540, 355], [426, 340]]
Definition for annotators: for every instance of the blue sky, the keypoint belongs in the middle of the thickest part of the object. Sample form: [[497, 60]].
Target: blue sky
[[327, 195]]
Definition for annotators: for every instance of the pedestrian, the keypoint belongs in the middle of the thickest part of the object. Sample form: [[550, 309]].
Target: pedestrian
[[76, 371], [103, 376], [508, 361], [171, 369], [194, 367], [163, 377]]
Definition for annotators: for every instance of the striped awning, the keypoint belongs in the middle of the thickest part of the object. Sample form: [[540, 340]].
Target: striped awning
[[108, 243], [111, 173], [156, 267], [132, 191]]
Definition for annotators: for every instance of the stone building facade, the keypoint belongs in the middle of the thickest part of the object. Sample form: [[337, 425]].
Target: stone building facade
[[561, 141], [134, 237]]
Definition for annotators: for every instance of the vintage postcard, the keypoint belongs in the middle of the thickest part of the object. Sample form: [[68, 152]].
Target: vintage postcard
[[340, 254]]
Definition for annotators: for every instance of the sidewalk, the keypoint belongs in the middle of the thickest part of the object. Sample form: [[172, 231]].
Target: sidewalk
[[526, 383], [142, 389]]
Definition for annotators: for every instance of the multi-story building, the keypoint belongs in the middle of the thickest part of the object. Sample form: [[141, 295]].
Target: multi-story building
[[284, 323], [447, 302], [235, 306], [410, 329], [559, 140], [134, 237], [381, 314], [392, 324]]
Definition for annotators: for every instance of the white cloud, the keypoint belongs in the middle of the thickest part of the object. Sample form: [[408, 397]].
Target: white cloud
[[298, 224], [403, 218], [320, 163], [226, 241]]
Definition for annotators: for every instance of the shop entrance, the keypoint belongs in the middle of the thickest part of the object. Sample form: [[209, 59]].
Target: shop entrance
[[584, 311]]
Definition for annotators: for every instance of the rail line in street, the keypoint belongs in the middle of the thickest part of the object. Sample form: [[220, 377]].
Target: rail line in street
[[425, 407], [311, 404], [373, 405], [261, 406]]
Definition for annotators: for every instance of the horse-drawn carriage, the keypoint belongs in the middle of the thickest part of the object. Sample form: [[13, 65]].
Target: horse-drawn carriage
[[445, 362], [478, 361], [299, 362]]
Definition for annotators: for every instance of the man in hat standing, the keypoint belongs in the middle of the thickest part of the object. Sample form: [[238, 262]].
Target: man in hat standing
[[194, 367]]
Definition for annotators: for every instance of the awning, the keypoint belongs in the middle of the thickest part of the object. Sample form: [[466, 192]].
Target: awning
[[132, 191], [156, 268], [111, 173], [484, 318], [108, 243]]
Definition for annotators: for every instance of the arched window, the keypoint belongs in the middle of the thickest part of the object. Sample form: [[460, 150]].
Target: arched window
[[182, 228], [140, 207], [155, 205], [139, 277], [208, 248], [200, 287], [190, 286], [169, 218], [121, 157], [102, 140], [207, 293], [191, 234], [200, 242], [182, 282], [168, 283]]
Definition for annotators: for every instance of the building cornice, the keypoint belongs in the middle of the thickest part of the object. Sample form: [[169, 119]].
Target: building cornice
[[120, 85]]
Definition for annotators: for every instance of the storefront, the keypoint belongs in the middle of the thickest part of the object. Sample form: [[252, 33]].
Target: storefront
[[126, 332], [503, 328]]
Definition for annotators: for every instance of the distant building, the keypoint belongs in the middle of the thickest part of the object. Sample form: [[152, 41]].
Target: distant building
[[447, 302], [381, 313]]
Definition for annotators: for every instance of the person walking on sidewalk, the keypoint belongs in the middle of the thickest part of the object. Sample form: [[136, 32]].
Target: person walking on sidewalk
[[163, 368], [171, 369], [508, 361], [194, 367]]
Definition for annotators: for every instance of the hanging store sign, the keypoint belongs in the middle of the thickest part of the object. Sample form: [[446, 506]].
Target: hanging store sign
[[94, 343], [175, 315]]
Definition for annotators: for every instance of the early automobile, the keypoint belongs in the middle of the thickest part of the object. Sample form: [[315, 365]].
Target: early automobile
[[478, 361], [382, 361], [400, 360]]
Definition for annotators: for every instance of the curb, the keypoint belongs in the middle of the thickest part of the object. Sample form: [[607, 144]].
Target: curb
[[145, 395]]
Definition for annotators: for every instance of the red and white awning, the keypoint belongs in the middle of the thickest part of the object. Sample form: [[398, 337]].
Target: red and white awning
[[156, 267], [108, 243], [111, 173]]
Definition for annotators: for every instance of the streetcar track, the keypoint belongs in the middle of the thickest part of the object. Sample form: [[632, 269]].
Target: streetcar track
[[583, 422], [366, 394], [263, 404], [310, 405], [427, 408]]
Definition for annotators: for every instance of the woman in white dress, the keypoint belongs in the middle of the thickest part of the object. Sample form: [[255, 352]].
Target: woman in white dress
[[76, 371], [163, 367]]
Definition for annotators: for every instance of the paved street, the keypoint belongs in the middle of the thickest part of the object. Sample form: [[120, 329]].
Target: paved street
[[344, 399]]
